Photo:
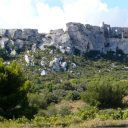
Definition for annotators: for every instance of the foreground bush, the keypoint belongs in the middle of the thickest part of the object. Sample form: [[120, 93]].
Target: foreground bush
[[88, 113], [13, 90]]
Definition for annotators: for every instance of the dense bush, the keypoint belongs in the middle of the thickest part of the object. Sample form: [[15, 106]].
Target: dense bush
[[104, 114], [67, 86], [73, 95], [37, 101], [43, 99], [65, 110], [105, 92], [110, 114]]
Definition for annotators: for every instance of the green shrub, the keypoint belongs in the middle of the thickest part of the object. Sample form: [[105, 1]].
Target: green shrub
[[22, 120], [37, 100], [105, 92], [67, 86], [50, 98], [110, 114], [88, 113], [51, 110], [125, 114], [2, 118], [65, 110], [73, 95]]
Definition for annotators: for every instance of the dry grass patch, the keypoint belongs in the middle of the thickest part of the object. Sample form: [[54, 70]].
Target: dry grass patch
[[74, 105], [99, 123]]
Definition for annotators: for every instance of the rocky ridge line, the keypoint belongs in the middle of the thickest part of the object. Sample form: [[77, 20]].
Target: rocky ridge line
[[77, 38]]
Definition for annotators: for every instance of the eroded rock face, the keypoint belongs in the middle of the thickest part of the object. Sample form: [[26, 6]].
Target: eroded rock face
[[77, 38], [58, 38], [19, 40], [86, 38]]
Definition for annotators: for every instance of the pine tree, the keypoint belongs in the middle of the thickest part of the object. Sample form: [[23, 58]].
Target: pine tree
[[13, 89]]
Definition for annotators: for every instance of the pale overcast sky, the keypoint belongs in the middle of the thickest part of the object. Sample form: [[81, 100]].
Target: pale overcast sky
[[53, 14]]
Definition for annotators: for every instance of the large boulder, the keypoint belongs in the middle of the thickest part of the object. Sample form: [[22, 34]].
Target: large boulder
[[13, 53], [55, 64], [64, 66], [44, 73]]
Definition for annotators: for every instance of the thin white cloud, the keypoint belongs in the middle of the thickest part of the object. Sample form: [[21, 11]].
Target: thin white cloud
[[38, 14]]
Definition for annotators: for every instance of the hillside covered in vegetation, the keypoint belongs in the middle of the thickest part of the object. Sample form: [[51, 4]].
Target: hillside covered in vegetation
[[48, 88]]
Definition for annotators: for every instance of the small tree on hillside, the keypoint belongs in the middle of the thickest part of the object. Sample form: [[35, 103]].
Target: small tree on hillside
[[13, 89]]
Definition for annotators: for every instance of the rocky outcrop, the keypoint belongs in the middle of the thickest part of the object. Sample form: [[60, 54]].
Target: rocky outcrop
[[29, 60], [84, 38], [19, 40], [44, 73], [57, 64], [78, 38]]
